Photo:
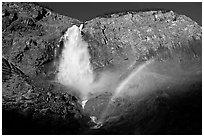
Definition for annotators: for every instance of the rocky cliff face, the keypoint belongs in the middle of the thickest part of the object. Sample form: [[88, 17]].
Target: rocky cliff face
[[34, 103]]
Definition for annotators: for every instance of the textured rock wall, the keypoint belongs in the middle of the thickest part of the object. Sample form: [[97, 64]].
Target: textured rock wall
[[31, 49]]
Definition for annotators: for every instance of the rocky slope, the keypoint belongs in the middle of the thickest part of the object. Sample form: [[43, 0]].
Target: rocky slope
[[31, 46]]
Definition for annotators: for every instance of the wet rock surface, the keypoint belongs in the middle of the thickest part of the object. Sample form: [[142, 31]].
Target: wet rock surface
[[33, 104]]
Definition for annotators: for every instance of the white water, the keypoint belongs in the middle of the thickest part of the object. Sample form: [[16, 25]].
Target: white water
[[75, 69]]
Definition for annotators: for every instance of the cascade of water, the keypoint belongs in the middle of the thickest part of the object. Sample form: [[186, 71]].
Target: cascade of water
[[75, 70]]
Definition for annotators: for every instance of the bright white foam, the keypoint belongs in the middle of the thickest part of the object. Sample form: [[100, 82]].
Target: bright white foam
[[75, 70]]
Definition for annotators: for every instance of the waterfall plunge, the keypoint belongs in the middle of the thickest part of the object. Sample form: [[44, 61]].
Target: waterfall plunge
[[75, 70]]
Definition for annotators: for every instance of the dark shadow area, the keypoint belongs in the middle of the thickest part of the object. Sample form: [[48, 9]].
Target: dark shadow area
[[177, 116]]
